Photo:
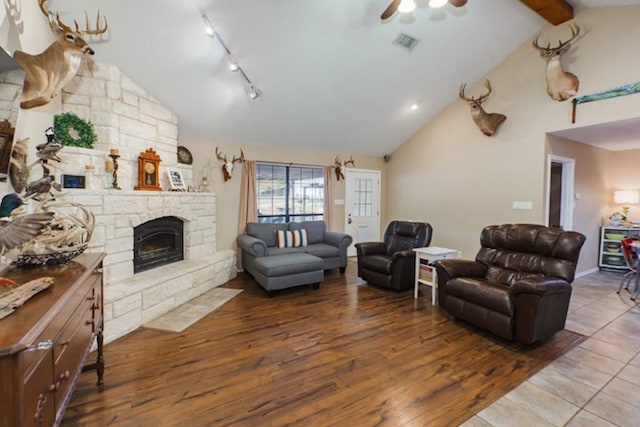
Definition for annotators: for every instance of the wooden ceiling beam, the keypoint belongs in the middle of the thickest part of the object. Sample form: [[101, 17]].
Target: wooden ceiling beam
[[554, 11]]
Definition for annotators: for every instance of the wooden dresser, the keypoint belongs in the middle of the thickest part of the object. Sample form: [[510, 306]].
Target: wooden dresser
[[44, 343]]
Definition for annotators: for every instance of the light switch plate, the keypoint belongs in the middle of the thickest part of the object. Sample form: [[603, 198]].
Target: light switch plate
[[338, 202], [523, 206]]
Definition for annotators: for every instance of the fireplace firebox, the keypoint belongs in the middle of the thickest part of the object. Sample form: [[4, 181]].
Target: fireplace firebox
[[157, 242]]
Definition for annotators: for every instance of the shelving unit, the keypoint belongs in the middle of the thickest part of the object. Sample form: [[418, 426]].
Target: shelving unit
[[610, 256]]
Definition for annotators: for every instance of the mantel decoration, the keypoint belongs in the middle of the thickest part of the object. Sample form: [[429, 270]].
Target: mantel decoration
[[53, 232], [148, 171], [72, 131], [627, 89]]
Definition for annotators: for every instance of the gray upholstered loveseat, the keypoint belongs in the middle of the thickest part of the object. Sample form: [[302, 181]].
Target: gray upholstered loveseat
[[283, 267]]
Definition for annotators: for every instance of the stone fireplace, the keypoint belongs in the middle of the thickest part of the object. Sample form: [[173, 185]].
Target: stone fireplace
[[131, 120], [157, 242], [133, 299]]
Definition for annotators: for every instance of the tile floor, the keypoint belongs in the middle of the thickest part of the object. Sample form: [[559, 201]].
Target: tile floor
[[596, 383], [185, 315]]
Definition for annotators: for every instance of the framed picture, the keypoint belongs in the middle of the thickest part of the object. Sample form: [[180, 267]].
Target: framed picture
[[176, 181]]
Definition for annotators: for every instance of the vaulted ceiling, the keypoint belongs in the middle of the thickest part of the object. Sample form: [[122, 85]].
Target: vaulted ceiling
[[329, 74]]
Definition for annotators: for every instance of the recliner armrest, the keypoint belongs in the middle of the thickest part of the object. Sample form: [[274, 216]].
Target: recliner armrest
[[339, 240], [252, 245], [402, 254], [371, 248], [540, 286], [450, 268]]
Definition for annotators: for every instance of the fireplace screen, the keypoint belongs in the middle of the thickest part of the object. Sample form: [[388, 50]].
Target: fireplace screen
[[157, 242]]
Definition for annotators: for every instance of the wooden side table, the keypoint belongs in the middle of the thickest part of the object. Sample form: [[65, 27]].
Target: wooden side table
[[430, 254]]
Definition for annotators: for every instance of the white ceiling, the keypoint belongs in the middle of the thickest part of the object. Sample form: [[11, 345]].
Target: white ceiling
[[329, 74]]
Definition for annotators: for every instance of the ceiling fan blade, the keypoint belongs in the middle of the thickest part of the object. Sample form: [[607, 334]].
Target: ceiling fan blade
[[457, 3], [390, 10]]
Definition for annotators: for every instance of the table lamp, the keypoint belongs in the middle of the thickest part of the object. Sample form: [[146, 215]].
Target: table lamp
[[625, 198]]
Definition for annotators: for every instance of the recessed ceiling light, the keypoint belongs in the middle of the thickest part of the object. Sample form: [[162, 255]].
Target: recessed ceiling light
[[413, 107]]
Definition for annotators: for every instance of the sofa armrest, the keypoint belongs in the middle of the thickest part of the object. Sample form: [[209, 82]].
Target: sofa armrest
[[371, 248], [540, 286], [252, 245], [450, 268], [340, 240]]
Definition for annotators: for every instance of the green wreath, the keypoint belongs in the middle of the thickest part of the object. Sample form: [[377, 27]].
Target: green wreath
[[65, 123]]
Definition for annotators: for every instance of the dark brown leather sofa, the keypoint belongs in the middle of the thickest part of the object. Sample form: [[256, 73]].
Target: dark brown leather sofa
[[391, 264], [519, 285]]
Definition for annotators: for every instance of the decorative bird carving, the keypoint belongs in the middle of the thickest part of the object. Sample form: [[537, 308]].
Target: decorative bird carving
[[41, 186], [17, 228], [49, 151]]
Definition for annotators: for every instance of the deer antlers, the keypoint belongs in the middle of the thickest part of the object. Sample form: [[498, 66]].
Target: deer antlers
[[487, 122], [562, 45], [227, 166], [473, 100], [339, 165], [87, 30]]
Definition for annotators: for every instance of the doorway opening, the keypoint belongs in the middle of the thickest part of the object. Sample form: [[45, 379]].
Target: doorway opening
[[560, 190]]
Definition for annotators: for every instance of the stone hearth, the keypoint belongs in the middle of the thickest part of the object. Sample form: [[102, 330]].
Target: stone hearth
[[132, 300]]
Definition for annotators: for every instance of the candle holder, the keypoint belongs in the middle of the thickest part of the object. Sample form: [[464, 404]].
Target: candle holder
[[115, 170]]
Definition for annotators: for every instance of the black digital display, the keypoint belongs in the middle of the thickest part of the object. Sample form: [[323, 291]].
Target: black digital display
[[73, 181]]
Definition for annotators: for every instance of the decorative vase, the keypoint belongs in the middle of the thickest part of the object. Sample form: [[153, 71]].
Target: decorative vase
[[615, 222]]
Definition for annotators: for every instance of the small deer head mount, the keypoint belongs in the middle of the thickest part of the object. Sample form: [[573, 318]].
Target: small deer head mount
[[487, 122], [561, 85], [338, 165], [47, 73], [227, 166]]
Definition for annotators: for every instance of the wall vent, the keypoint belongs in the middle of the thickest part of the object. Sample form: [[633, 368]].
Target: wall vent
[[405, 41]]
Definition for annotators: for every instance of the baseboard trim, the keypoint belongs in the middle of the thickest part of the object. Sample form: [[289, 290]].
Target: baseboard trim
[[584, 273]]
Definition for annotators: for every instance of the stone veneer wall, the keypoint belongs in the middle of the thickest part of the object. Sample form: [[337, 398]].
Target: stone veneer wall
[[10, 94], [125, 117], [131, 300]]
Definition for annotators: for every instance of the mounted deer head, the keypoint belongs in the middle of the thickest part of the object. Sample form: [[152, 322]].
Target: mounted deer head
[[227, 166], [339, 165], [487, 122], [561, 85], [47, 73]]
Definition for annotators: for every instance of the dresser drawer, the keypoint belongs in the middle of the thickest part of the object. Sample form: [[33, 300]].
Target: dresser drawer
[[38, 409], [72, 345]]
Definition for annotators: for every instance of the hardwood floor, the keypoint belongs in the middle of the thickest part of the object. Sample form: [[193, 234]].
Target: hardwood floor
[[346, 354]]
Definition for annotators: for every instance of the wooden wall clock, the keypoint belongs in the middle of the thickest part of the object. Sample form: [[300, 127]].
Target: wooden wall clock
[[149, 171]]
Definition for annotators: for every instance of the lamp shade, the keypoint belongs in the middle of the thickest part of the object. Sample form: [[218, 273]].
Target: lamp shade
[[626, 197]]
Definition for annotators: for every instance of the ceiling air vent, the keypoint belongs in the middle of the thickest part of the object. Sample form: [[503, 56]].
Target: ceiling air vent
[[405, 41]]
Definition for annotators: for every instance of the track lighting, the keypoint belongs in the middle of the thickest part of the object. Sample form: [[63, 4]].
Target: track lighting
[[208, 26], [233, 62], [253, 92]]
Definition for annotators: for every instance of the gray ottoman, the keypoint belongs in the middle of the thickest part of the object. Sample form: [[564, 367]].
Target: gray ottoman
[[286, 271]]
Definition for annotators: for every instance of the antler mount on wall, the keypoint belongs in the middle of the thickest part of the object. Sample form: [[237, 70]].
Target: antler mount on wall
[[48, 72]]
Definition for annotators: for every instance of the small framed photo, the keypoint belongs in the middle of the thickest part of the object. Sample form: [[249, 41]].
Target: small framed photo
[[176, 181]]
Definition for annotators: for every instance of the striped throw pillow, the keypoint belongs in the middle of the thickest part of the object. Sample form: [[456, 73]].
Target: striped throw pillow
[[291, 238]]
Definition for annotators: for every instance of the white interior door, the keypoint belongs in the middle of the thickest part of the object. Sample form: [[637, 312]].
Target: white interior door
[[362, 206]]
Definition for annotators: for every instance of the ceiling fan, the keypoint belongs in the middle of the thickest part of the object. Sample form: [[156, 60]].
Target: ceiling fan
[[406, 6]]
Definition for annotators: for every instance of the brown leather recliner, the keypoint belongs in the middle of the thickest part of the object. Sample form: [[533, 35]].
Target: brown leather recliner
[[519, 286], [391, 263]]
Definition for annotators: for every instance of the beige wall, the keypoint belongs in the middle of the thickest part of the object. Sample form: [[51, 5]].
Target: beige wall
[[468, 180], [228, 193]]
